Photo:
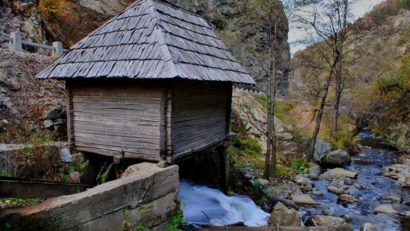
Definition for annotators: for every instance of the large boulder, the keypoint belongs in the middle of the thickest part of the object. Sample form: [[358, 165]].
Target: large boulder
[[337, 158], [399, 172], [338, 173], [321, 149], [53, 113], [282, 216]]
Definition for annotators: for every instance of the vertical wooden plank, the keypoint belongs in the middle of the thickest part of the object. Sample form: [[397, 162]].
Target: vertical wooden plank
[[163, 123], [169, 123], [223, 154], [70, 115], [224, 168], [229, 108]]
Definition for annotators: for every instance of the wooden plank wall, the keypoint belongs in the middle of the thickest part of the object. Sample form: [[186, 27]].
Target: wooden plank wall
[[121, 121], [199, 115]]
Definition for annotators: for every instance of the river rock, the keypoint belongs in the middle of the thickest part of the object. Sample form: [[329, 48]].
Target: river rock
[[303, 199], [386, 208], [317, 192], [314, 171], [400, 172], [284, 190], [368, 227], [341, 172], [393, 198], [321, 149], [282, 216], [404, 180], [305, 183], [337, 158], [346, 198], [329, 221], [336, 190], [359, 186]]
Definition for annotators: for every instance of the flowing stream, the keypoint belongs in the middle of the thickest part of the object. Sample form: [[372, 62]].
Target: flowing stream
[[369, 164], [206, 206]]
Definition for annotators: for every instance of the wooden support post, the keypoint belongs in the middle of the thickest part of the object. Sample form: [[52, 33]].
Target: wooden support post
[[58, 49], [70, 117], [222, 149], [16, 43], [224, 167]]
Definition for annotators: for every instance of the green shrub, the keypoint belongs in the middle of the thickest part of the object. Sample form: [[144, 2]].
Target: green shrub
[[176, 222], [102, 176], [299, 165], [283, 172], [262, 99], [140, 228], [245, 146], [6, 173]]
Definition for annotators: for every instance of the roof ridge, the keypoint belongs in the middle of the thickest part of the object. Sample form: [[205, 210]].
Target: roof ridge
[[165, 2], [159, 31]]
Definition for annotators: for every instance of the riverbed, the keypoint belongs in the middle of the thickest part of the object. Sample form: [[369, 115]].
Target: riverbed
[[204, 206], [369, 164]]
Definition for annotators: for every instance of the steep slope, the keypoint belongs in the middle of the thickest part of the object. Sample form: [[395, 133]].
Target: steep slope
[[377, 88], [23, 98]]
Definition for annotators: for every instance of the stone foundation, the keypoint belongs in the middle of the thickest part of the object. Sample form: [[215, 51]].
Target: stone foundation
[[145, 196]]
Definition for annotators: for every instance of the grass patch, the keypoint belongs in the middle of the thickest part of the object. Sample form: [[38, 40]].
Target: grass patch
[[19, 202]]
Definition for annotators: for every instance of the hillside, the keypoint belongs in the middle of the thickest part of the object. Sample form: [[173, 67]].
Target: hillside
[[377, 88], [23, 98]]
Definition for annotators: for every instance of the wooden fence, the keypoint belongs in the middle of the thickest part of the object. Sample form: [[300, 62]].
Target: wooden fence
[[16, 43]]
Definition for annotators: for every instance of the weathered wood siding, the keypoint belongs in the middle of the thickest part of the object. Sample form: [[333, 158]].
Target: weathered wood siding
[[200, 112], [122, 121]]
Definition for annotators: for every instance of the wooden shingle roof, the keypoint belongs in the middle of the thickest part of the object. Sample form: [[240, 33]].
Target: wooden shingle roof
[[150, 39]]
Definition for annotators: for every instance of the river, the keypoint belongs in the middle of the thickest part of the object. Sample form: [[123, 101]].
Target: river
[[369, 164], [203, 205]]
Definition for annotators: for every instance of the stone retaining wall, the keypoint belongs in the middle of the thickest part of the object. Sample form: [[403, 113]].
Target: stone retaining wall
[[145, 196]]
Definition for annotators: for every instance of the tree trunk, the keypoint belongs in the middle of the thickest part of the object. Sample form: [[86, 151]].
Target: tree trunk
[[336, 106], [272, 115], [269, 133], [322, 107], [319, 118], [338, 92]]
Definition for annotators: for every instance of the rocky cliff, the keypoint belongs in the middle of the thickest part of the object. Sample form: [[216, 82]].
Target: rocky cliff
[[237, 27]]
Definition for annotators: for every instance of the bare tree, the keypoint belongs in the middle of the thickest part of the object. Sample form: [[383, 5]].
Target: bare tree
[[328, 25], [269, 18]]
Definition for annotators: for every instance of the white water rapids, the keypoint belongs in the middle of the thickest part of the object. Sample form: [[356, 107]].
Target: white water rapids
[[206, 206]]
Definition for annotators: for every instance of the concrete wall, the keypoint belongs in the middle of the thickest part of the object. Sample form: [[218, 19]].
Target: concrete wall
[[147, 195]]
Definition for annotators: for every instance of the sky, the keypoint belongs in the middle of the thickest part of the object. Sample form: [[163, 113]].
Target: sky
[[360, 8]]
